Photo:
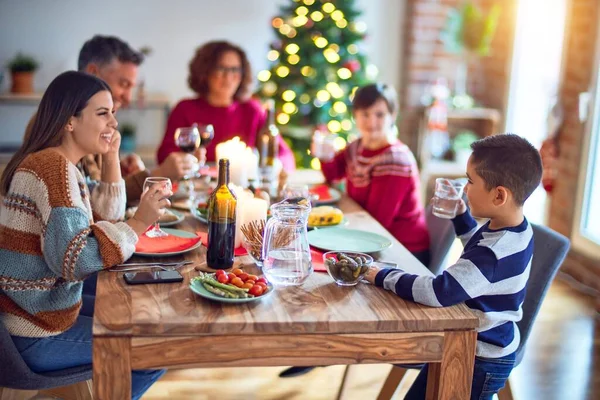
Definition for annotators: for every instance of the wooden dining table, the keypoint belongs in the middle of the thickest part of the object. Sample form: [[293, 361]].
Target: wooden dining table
[[318, 323]]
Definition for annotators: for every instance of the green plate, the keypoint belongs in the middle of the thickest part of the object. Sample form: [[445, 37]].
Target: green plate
[[201, 291], [180, 218], [341, 239]]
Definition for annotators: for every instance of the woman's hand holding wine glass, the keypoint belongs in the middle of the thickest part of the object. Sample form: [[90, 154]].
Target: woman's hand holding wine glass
[[153, 202]]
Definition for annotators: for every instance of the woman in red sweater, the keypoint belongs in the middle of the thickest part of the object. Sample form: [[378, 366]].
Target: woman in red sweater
[[220, 74], [381, 172]]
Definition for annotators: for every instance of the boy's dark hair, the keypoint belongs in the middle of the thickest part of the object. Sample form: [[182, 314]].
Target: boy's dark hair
[[508, 160], [367, 95], [103, 50]]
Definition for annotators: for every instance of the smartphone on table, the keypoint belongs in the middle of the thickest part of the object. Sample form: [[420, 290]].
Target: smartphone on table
[[143, 277]]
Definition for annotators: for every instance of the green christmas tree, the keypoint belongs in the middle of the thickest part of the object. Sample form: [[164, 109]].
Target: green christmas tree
[[316, 64]]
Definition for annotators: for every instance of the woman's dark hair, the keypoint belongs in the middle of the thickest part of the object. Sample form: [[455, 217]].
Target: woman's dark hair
[[367, 95], [207, 59], [67, 95]]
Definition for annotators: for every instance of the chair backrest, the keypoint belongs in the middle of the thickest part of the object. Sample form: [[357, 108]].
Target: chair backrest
[[15, 374], [441, 237], [550, 249]]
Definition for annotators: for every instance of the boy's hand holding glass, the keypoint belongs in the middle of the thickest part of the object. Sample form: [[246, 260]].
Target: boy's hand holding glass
[[447, 202], [323, 146]]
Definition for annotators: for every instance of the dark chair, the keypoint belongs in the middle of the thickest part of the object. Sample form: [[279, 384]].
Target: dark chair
[[441, 235], [550, 249], [72, 383]]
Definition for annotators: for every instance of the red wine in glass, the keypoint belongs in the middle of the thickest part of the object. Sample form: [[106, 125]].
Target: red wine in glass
[[207, 133]]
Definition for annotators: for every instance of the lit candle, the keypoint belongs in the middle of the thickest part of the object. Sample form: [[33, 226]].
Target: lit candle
[[255, 210], [243, 197]]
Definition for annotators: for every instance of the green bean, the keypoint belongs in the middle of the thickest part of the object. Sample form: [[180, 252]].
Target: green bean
[[218, 292]]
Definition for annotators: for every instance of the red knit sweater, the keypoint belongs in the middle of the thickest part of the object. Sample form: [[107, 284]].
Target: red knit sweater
[[239, 119], [385, 182]]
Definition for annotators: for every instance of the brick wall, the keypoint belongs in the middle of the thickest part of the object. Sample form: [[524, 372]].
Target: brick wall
[[579, 72], [425, 59]]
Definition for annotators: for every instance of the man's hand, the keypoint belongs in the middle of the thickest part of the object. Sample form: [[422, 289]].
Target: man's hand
[[132, 164], [176, 166], [371, 274]]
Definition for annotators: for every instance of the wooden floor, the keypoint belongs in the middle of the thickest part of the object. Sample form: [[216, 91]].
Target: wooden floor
[[562, 362]]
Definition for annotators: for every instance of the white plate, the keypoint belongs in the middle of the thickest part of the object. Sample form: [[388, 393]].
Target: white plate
[[198, 215], [174, 232]]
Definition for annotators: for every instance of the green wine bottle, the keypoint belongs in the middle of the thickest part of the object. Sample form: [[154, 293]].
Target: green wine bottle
[[268, 138], [221, 222]]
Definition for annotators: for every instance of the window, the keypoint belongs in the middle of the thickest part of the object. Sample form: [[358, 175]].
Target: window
[[586, 237]]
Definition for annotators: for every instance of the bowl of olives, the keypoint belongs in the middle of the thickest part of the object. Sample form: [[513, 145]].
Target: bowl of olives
[[345, 267]]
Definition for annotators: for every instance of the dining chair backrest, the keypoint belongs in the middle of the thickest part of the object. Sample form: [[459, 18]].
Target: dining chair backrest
[[441, 237], [15, 374], [549, 251]]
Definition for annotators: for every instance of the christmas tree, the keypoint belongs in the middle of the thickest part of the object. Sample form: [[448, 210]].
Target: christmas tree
[[316, 64]]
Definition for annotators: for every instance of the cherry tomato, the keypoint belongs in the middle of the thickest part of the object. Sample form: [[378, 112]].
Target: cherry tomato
[[230, 276], [262, 279], [262, 284], [247, 285], [253, 277], [237, 271], [237, 282], [220, 272], [250, 281], [243, 276], [256, 290], [222, 278]]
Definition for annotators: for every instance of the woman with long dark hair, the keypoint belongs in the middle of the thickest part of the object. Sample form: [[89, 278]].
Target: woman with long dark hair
[[54, 233]]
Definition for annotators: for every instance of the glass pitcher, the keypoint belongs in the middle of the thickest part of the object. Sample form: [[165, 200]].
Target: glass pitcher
[[286, 252]]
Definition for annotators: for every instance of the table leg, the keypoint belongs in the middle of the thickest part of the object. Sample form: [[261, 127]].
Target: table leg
[[453, 377], [112, 368]]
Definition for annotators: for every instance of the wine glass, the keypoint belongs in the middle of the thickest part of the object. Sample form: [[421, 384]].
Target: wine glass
[[188, 140], [207, 134], [148, 183]]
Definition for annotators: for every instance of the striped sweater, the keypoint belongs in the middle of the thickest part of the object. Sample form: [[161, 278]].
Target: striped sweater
[[49, 242], [385, 182], [490, 278]]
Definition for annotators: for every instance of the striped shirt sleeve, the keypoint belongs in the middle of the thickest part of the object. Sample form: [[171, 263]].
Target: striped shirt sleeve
[[465, 227], [470, 277]]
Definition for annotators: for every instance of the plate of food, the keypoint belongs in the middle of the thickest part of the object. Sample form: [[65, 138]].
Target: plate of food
[[200, 212], [233, 287], [169, 218], [353, 240], [324, 195], [325, 217]]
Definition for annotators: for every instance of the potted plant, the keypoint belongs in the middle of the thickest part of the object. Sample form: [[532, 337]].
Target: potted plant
[[468, 33], [127, 137], [461, 146], [22, 68]]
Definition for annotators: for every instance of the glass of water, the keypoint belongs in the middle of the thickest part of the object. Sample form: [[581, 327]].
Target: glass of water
[[448, 193]]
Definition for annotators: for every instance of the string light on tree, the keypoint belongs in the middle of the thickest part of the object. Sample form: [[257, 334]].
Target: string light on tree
[[328, 7], [316, 61], [288, 95], [264, 75]]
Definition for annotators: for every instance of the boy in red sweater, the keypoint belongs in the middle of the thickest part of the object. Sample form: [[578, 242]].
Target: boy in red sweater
[[382, 175], [381, 172]]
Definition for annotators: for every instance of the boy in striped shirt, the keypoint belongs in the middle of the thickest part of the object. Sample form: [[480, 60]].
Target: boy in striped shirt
[[491, 275]]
